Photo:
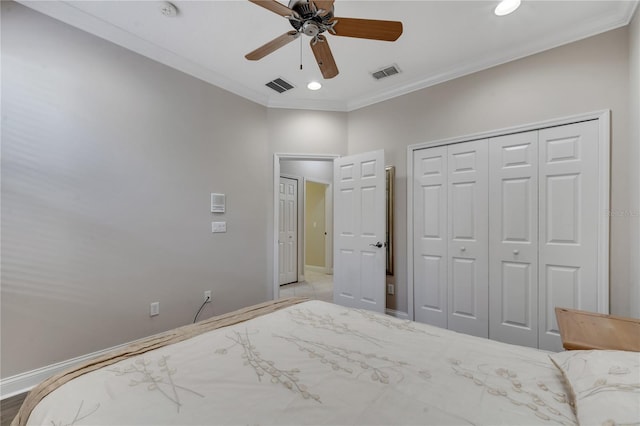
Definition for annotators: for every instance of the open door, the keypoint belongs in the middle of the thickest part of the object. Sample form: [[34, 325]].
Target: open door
[[359, 231], [288, 231]]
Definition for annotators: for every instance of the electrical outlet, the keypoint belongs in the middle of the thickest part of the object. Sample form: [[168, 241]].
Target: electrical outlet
[[391, 289], [207, 296], [154, 309]]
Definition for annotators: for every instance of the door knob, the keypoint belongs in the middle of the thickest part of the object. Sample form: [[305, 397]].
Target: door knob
[[463, 248], [516, 252], [378, 244]]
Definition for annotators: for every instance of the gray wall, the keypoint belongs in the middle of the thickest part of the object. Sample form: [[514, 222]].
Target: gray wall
[[310, 169], [108, 162], [588, 75]]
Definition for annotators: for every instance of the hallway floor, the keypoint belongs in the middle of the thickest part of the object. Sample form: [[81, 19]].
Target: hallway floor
[[317, 286]]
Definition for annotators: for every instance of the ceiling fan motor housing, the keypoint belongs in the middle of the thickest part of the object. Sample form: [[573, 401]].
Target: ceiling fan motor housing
[[310, 23]]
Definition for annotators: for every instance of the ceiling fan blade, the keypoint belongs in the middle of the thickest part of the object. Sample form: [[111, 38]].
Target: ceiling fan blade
[[324, 57], [275, 7], [326, 5], [368, 28], [272, 46]]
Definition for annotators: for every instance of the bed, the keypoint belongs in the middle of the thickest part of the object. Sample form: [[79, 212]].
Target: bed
[[296, 361]]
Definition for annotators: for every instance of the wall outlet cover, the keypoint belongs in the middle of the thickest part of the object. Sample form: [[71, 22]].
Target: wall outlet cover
[[217, 227]]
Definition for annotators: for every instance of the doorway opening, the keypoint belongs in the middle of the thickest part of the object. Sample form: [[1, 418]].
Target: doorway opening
[[314, 226]]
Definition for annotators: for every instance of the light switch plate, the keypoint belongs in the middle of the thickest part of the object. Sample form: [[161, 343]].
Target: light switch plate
[[217, 227], [218, 203]]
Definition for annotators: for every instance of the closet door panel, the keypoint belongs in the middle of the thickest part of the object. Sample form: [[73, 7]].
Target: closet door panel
[[568, 197], [513, 240], [467, 289], [430, 236]]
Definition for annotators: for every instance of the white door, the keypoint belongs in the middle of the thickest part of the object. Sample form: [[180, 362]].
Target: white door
[[288, 231], [430, 235], [468, 259], [513, 238], [568, 199], [359, 231]]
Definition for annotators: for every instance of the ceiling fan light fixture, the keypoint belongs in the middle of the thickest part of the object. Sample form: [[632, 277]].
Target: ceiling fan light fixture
[[314, 85], [506, 7]]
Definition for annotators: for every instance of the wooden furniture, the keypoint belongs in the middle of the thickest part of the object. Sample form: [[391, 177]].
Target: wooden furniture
[[581, 330]]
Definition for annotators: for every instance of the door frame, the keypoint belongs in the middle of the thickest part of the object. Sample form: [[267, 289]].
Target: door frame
[[604, 179], [276, 182]]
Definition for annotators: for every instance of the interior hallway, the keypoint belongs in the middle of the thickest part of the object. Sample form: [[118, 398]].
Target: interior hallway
[[317, 286]]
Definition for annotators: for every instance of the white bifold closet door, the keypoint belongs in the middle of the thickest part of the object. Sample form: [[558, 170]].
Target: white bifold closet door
[[451, 237], [468, 258], [505, 230], [430, 236], [513, 238], [568, 235]]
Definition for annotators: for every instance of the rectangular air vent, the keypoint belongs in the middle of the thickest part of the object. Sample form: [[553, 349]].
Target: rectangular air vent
[[386, 72], [279, 85]]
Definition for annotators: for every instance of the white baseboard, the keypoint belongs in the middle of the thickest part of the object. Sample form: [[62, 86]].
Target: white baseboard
[[24, 382], [397, 314]]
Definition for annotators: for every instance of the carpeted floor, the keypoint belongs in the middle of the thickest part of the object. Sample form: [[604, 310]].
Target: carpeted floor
[[317, 286], [9, 408]]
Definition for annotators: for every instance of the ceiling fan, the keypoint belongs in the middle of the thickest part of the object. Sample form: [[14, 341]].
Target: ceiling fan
[[314, 17]]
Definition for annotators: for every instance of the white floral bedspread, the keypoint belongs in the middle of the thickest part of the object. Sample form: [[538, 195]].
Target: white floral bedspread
[[319, 363]]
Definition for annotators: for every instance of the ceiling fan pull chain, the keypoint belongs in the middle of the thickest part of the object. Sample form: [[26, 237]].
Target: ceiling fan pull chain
[[300, 53]]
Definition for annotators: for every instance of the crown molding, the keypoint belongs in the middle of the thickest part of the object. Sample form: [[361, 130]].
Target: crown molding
[[67, 13]]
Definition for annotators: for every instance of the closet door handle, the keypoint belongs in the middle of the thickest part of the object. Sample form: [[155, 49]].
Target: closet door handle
[[378, 244], [516, 252], [463, 248]]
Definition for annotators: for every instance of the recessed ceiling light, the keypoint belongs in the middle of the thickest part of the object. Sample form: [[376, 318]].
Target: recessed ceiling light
[[314, 85], [506, 7]]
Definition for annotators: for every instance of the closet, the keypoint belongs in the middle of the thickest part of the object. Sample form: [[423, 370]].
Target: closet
[[507, 227]]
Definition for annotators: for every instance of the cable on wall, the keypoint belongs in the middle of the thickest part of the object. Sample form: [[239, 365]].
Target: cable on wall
[[208, 299]]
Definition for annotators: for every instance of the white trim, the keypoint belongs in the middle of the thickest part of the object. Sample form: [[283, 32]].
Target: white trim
[[409, 204], [24, 382], [604, 182], [596, 115], [276, 181], [604, 175], [397, 314]]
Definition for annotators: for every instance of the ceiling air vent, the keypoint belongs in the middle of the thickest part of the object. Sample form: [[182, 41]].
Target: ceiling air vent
[[279, 85], [385, 72]]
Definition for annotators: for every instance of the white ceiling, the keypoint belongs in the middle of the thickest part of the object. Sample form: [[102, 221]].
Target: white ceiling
[[442, 40]]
